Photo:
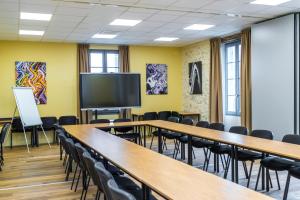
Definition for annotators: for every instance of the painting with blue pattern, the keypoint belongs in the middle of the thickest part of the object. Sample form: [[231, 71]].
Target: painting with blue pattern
[[157, 79]]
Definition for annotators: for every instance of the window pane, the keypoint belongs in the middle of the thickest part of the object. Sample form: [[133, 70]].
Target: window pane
[[231, 71], [112, 60], [239, 53], [96, 59], [113, 69], [231, 87], [96, 69], [231, 104], [231, 54]]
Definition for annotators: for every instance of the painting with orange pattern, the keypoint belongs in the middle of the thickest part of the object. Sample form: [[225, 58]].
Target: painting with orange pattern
[[33, 74]]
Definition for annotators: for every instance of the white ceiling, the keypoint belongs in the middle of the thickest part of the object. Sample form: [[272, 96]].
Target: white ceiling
[[78, 20]]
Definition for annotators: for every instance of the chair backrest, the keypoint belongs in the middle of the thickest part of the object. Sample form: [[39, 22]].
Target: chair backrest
[[164, 115], [238, 130], [123, 129], [72, 150], [17, 125], [48, 122], [62, 138], [293, 139], [150, 116], [80, 151], [266, 134], [101, 121], [175, 114], [187, 121], [117, 193], [203, 124], [217, 126], [90, 164], [4, 132], [67, 120], [174, 119], [104, 177]]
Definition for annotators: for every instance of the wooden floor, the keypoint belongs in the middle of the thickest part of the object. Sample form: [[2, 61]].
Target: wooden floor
[[40, 175]]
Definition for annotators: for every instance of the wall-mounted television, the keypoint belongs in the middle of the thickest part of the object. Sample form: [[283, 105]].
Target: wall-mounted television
[[109, 90]]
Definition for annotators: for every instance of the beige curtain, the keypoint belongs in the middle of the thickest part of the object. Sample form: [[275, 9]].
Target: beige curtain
[[215, 107], [124, 67], [246, 117], [83, 66]]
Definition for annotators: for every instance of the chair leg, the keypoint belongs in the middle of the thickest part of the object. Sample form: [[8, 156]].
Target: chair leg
[[222, 162], [151, 141], [74, 176], [287, 185], [260, 167], [11, 139], [278, 183], [245, 169], [208, 159], [194, 153], [87, 187], [267, 179], [250, 172], [65, 159], [270, 180], [78, 179], [227, 167]]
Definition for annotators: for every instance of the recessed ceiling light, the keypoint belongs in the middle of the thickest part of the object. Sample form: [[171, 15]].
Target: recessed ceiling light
[[36, 16], [125, 22], [199, 27], [166, 39], [30, 32], [269, 2], [104, 36]]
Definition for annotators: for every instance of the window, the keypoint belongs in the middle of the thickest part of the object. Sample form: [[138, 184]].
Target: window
[[232, 78], [104, 61]]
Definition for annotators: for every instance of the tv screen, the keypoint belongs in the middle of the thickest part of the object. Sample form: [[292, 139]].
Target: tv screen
[[109, 90]]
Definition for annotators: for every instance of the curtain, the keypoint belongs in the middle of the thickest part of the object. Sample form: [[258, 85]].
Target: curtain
[[215, 103], [246, 117], [83, 66], [124, 66]]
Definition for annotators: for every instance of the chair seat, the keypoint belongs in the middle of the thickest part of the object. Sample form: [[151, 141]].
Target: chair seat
[[221, 149], [129, 135], [105, 129], [201, 143], [276, 163], [171, 135], [155, 133], [295, 172], [129, 186], [246, 155], [183, 139]]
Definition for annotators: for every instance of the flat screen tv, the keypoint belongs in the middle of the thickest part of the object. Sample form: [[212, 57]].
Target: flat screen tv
[[109, 90]]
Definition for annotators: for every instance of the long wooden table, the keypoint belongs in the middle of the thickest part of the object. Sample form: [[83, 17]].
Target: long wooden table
[[278, 148], [138, 116], [168, 177]]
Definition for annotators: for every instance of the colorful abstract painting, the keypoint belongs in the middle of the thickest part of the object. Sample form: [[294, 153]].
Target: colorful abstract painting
[[33, 74], [157, 79]]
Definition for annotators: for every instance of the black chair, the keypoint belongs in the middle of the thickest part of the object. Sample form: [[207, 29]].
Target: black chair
[[4, 132], [123, 182], [62, 144], [203, 124], [49, 125], [276, 163], [127, 132], [17, 127], [164, 115], [67, 120], [166, 134], [176, 114], [90, 164], [244, 155], [217, 126], [150, 116], [184, 138], [117, 193], [101, 121], [293, 172]]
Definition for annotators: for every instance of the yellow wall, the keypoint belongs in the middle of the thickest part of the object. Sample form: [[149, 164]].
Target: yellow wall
[[61, 75], [142, 55]]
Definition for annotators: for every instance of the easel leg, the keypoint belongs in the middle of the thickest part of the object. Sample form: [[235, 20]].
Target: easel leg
[[26, 139], [46, 136]]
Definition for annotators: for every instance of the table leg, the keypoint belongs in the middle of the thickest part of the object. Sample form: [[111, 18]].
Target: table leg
[[190, 150], [159, 141], [36, 137], [146, 192], [145, 132], [198, 117], [263, 172], [182, 146], [232, 163], [236, 165]]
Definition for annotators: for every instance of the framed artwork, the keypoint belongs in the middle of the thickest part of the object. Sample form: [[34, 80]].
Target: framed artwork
[[33, 74], [156, 79], [195, 77]]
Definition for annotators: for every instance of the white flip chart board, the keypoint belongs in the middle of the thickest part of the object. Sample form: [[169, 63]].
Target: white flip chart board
[[27, 107]]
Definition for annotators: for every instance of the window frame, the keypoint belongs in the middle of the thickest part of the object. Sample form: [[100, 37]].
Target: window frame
[[104, 60], [237, 77]]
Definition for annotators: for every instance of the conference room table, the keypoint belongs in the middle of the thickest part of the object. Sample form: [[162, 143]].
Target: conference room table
[[278, 148], [170, 178], [183, 114]]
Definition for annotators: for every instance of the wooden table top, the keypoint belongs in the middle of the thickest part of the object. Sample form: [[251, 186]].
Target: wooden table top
[[170, 178], [268, 146]]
